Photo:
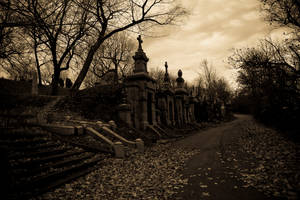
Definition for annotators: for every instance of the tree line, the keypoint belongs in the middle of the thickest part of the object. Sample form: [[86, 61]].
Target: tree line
[[269, 73]]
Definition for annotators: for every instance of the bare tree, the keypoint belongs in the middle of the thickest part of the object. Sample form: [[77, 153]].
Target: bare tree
[[114, 56], [7, 35], [158, 74], [67, 28], [269, 77], [57, 25], [116, 16], [213, 87], [285, 13], [282, 12]]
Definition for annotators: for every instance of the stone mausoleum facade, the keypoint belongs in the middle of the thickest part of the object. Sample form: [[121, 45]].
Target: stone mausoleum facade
[[148, 106]]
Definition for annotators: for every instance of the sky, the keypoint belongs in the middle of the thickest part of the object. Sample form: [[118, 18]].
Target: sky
[[212, 30]]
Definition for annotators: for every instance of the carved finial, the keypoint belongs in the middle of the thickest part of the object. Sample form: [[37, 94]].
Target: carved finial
[[166, 66], [140, 41], [179, 73]]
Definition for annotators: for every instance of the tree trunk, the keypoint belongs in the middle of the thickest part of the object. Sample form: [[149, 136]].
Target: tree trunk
[[39, 75], [86, 65], [116, 78], [55, 81], [38, 68]]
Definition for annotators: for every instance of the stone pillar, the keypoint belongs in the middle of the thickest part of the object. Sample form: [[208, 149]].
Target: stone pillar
[[119, 150], [140, 145], [143, 112], [172, 119], [142, 83], [153, 110], [158, 114], [124, 112]]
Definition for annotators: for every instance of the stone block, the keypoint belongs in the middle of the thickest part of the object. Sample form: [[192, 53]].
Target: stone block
[[60, 129], [140, 145], [124, 111], [79, 130], [100, 124], [119, 150], [113, 125]]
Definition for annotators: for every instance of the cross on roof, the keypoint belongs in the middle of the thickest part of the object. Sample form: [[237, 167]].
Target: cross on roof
[[140, 41], [166, 66]]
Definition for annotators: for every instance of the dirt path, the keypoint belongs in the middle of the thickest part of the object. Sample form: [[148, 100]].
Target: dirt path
[[236, 160], [209, 176]]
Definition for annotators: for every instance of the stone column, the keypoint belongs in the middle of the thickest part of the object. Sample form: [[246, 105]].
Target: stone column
[[153, 110], [143, 112], [158, 114], [124, 112]]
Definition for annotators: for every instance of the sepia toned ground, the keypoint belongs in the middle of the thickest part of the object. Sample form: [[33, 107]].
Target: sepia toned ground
[[241, 160], [235, 160]]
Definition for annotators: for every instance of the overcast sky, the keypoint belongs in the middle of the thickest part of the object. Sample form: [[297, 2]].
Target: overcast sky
[[212, 30]]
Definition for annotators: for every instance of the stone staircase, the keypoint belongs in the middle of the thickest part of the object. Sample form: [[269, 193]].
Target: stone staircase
[[38, 162]]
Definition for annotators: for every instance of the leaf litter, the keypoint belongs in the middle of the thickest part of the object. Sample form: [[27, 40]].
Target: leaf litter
[[266, 161], [152, 175]]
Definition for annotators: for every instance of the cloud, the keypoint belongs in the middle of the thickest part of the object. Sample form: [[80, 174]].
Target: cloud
[[213, 29]]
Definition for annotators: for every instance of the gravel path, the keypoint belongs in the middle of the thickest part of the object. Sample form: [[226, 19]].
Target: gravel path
[[236, 160], [241, 160]]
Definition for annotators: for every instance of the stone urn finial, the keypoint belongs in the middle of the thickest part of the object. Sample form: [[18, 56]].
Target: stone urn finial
[[180, 80], [179, 73]]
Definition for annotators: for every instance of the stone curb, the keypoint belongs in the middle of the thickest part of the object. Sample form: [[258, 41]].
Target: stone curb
[[138, 143], [63, 129]]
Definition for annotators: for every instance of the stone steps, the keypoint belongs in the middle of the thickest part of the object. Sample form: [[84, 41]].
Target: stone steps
[[51, 165], [39, 162], [87, 142], [22, 142], [36, 147], [43, 179], [13, 133], [40, 153], [12, 120], [44, 160]]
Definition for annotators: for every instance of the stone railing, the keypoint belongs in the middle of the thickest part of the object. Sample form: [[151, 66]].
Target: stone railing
[[138, 143], [116, 147]]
